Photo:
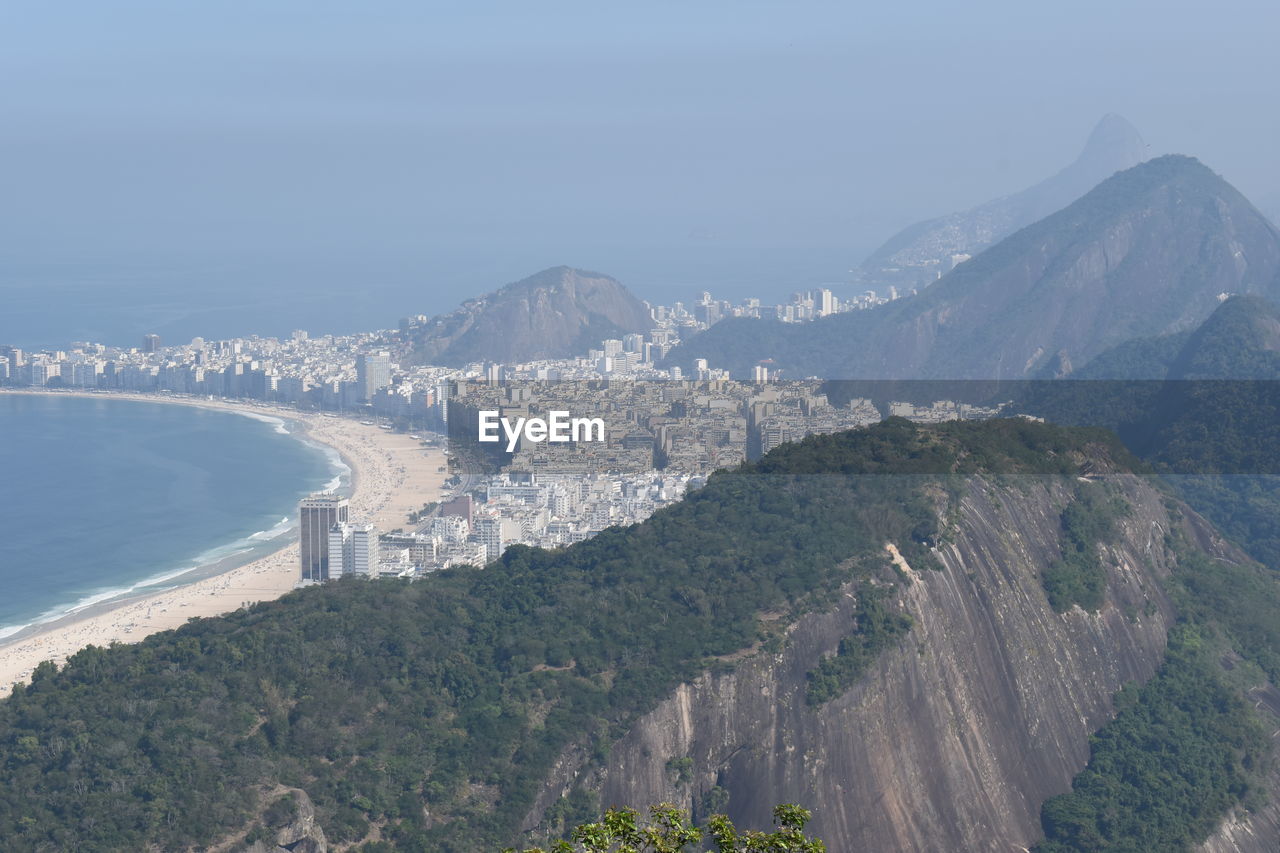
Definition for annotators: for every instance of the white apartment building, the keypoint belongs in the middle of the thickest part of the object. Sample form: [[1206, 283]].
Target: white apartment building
[[353, 550]]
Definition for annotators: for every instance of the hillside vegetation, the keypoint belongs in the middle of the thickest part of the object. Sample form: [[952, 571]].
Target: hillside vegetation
[[1186, 747], [434, 709]]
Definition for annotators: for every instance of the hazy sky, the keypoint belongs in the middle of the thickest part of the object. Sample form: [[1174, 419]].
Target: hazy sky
[[465, 145]]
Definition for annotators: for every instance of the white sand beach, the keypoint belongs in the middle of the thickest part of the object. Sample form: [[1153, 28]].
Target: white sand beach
[[391, 475]]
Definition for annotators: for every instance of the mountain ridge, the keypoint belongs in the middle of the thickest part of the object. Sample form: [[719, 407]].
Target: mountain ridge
[[1240, 340], [1147, 252]]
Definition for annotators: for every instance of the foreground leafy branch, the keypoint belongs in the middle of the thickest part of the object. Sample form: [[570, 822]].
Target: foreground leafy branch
[[670, 831]]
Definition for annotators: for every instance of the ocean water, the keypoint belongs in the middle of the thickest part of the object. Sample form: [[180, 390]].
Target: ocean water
[[102, 497], [116, 299]]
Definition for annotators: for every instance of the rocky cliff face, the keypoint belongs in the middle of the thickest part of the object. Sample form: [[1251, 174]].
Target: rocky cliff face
[[558, 313], [956, 737]]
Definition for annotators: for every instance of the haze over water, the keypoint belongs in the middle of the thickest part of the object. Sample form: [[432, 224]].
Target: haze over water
[[101, 495], [117, 298]]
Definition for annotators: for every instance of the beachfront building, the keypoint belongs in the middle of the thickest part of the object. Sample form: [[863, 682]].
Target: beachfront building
[[364, 551], [339, 550], [317, 515], [373, 371], [353, 550]]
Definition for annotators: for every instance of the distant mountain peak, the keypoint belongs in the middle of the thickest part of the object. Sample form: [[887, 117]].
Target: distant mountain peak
[[550, 277], [559, 312], [1113, 134], [1113, 145]]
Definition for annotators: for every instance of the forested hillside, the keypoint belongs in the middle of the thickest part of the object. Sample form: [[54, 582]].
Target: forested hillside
[[429, 715], [433, 709]]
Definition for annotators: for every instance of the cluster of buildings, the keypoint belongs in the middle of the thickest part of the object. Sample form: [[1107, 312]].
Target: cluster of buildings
[[803, 307], [941, 411], [330, 372], [509, 508], [661, 440], [330, 545], [688, 427], [372, 370], [550, 511], [663, 434]]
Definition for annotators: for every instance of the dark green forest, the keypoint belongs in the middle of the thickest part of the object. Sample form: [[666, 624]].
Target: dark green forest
[[1217, 442], [1185, 747]]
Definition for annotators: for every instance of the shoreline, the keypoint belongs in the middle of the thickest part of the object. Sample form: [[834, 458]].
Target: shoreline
[[201, 569], [388, 475]]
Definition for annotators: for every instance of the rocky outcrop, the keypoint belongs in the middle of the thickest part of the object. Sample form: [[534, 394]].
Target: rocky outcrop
[[289, 818], [302, 834], [956, 737], [558, 313]]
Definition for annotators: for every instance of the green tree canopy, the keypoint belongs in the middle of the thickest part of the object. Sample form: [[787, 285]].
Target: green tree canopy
[[669, 830]]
